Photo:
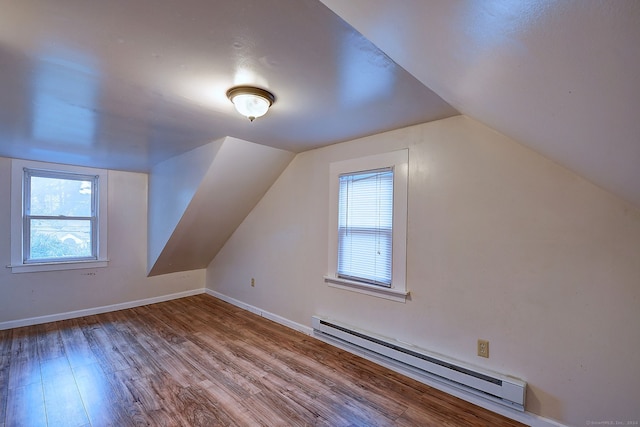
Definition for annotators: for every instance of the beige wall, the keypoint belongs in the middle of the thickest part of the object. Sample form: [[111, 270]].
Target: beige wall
[[29, 295], [503, 244]]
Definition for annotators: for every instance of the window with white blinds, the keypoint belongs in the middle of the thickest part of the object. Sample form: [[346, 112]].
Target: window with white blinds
[[368, 225], [365, 226]]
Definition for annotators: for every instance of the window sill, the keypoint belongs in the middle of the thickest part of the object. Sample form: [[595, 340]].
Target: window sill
[[57, 266], [363, 288]]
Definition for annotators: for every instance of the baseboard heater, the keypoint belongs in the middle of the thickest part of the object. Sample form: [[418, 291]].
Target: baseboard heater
[[499, 388]]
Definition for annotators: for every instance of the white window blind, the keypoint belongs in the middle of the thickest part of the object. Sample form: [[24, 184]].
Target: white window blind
[[365, 226]]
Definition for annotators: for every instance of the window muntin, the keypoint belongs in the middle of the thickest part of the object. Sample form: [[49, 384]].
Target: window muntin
[[60, 221], [365, 226]]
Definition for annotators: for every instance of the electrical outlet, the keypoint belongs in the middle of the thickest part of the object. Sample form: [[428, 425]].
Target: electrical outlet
[[253, 282], [483, 348]]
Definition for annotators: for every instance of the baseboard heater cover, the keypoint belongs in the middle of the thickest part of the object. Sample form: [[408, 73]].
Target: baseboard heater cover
[[503, 389]]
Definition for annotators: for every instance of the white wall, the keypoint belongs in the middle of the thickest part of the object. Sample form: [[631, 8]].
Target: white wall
[[172, 184], [28, 295], [199, 198], [503, 244]]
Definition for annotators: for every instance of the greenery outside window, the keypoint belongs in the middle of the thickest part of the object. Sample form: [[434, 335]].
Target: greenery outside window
[[58, 217]]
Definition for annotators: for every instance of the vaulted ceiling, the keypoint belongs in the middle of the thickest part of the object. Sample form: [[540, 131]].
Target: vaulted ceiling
[[126, 85], [561, 76]]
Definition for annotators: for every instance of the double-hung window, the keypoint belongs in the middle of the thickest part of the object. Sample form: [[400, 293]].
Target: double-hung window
[[58, 217], [365, 226], [368, 220]]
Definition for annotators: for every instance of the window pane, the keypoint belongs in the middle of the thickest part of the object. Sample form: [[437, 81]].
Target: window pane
[[57, 196], [365, 255], [365, 221], [60, 239]]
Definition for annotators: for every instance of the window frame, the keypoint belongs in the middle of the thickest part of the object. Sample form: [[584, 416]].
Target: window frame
[[19, 217], [399, 162]]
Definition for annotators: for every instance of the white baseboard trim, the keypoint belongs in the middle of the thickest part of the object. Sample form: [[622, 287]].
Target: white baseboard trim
[[527, 418], [96, 310], [267, 315]]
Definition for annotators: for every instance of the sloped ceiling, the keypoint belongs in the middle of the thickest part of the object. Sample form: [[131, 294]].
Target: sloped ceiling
[[126, 85], [198, 199], [562, 77]]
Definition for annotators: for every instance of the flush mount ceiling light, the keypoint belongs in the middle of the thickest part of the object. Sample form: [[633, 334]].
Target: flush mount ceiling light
[[251, 102]]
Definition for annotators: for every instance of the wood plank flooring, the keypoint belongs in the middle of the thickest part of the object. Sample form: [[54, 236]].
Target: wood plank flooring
[[199, 361]]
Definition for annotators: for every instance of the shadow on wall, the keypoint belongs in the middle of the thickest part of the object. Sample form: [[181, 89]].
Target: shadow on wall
[[553, 407]]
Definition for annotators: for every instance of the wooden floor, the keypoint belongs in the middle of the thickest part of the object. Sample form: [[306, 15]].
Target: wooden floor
[[199, 361]]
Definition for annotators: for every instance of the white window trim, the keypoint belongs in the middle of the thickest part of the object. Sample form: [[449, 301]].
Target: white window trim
[[17, 182], [399, 160]]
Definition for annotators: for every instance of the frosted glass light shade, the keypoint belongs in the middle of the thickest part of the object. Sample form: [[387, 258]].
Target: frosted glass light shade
[[251, 102], [251, 105]]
